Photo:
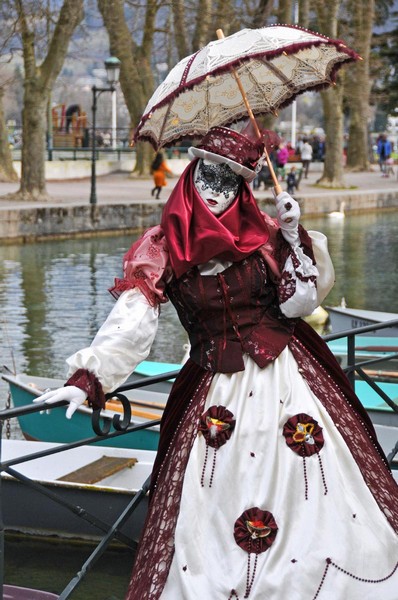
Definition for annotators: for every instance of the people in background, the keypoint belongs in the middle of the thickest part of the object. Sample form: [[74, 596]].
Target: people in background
[[263, 177], [291, 180], [306, 156], [73, 109], [159, 170], [318, 148], [384, 150], [282, 156]]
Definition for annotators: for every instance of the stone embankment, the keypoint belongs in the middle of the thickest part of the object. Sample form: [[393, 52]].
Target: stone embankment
[[125, 203]]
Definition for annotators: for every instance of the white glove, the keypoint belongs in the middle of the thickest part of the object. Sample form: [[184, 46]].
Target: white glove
[[288, 214], [74, 395]]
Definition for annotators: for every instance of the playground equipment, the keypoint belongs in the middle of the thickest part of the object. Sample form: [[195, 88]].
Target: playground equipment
[[69, 126]]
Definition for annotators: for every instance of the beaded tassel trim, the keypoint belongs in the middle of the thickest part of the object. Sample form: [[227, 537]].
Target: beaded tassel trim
[[216, 426], [255, 532], [304, 436], [330, 563]]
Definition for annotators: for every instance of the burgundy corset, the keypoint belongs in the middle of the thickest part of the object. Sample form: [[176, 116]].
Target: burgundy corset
[[232, 313]]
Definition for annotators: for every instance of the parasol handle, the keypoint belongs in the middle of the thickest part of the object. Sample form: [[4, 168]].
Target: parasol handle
[[277, 187]]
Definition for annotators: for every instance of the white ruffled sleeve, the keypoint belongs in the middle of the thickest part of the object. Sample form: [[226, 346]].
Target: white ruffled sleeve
[[122, 342], [303, 285], [326, 278]]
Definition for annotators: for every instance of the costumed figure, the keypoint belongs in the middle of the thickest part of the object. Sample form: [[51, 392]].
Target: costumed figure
[[269, 482], [159, 170]]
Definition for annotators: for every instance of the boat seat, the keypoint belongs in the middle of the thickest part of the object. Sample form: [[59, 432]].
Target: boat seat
[[99, 469]]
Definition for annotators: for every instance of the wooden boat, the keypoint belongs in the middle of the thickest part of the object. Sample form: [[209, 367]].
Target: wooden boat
[[50, 426], [343, 318], [14, 592], [102, 481], [368, 347]]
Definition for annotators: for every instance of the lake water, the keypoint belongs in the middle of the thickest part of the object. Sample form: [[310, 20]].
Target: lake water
[[53, 295], [53, 298]]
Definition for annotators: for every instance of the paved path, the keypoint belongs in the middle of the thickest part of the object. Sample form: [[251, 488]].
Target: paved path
[[122, 188]]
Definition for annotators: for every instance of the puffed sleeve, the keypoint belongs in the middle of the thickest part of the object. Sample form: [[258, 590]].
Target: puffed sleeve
[[121, 343], [307, 276], [146, 267], [126, 337], [326, 276]]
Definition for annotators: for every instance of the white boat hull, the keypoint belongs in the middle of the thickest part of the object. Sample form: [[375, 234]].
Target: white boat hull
[[344, 319], [27, 510]]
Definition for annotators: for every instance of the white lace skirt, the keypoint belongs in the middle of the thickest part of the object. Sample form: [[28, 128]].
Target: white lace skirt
[[274, 506]]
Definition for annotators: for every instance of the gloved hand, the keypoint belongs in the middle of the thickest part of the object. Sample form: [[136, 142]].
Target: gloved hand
[[288, 215], [74, 395]]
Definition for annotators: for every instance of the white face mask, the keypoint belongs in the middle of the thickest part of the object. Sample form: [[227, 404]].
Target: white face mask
[[216, 184]]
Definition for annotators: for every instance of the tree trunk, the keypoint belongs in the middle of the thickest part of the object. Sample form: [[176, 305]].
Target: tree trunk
[[359, 90], [136, 77], [202, 29], [180, 35], [262, 12], [332, 100], [7, 172], [285, 11], [225, 16], [34, 118], [304, 13], [333, 173], [37, 85]]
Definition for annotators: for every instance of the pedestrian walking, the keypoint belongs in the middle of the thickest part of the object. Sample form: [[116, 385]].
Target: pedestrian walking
[[384, 150], [159, 170], [306, 157]]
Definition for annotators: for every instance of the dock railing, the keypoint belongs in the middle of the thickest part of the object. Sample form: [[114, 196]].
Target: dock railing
[[354, 367], [102, 429], [121, 426]]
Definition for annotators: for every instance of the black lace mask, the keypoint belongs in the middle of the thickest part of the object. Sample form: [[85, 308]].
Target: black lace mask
[[218, 177]]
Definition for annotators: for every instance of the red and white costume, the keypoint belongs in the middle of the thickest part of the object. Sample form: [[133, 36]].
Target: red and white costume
[[269, 482]]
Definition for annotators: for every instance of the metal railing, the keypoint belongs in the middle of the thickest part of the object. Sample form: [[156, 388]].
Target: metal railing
[[105, 152], [101, 427], [121, 425]]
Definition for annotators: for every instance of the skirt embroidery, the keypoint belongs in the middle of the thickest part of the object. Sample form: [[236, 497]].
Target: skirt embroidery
[[216, 426], [330, 563], [255, 532], [304, 436]]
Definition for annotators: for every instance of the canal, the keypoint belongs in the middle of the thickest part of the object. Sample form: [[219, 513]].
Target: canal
[[53, 295]]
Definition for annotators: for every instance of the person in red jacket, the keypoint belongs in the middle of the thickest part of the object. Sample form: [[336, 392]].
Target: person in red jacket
[[159, 170]]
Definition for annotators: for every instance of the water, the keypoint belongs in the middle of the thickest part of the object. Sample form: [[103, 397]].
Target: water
[[53, 295], [49, 565], [365, 253], [53, 298]]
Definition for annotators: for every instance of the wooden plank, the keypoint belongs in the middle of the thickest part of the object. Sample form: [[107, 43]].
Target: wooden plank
[[99, 469]]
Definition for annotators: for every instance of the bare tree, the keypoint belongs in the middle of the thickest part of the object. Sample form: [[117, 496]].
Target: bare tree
[[136, 76], [363, 15], [180, 34], [304, 12], [40, 75], [262, 12], [7, 171], [333, 175], [285, 11], [201, 33]]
